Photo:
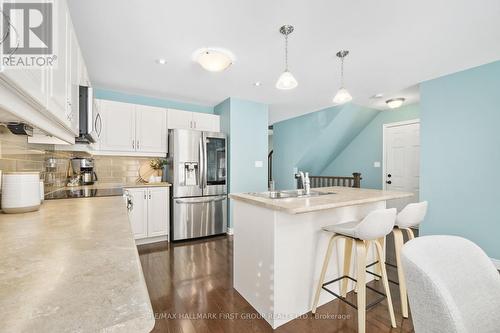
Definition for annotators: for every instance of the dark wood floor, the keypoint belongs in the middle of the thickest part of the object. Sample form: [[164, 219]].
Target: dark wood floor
[[191, 290]]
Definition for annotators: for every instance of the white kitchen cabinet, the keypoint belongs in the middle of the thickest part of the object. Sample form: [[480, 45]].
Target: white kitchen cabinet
[[138, 212], [73, 94], [149, 213], [193, 120], [158, 211], [132, 129], [151, 129], [118, 126]]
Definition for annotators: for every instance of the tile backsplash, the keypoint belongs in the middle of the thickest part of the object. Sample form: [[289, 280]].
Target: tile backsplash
[[16, 154]]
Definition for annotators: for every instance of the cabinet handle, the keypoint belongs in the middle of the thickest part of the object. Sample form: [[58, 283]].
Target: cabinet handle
[[194, 122], [137, 144], [149, 195], [145, 196], [133, 144]]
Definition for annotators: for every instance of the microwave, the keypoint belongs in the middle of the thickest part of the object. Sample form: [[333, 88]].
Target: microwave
[[90, 119]]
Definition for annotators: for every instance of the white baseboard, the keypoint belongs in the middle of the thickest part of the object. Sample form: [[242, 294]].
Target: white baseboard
[[496, 262], [230, 231]]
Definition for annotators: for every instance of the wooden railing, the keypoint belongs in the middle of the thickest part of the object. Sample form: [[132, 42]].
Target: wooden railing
[[327, 181]]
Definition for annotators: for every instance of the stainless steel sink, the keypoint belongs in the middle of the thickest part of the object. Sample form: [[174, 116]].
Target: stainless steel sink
[[290, 194]]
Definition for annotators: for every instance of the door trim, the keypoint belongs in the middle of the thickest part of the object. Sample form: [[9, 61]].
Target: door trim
[[384, 127]]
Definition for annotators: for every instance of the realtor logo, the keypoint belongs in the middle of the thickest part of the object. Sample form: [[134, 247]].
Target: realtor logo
[[27, 34]]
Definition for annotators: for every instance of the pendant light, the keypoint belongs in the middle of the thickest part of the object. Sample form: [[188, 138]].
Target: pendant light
[[342, 96], [286, 80]]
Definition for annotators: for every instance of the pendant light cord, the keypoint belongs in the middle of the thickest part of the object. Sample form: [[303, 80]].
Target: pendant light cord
[[342, 72], [286, 52]]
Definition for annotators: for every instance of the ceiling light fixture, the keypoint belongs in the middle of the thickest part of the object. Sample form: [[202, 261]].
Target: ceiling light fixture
[[286, 81], [395, 103], [161, 61], [377, 96], [214, 60], [257, 84], [342, 96]]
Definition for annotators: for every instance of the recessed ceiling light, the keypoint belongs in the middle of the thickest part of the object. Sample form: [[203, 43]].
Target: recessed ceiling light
[[257, 84], [377, 96], [161, 61], [394, 103], [213, 59]]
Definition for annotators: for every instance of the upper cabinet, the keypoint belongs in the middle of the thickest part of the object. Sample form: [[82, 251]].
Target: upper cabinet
[[51, 92], [193, 120], [130, 128]]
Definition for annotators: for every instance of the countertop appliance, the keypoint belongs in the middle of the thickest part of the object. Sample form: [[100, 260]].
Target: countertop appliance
[[89, 118], [83, 193], [20, 192], [84, 169], [197, 172]]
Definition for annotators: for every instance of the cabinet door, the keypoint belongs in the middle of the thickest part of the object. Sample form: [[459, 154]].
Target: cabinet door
[[74, 80], [206, 122], [138, 213], [118, 126], [158, 211], [180, 119], [58, 82], [150, 129]]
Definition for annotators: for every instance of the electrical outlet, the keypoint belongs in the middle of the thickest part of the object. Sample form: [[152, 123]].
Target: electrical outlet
[[376, 164], [259, 164]]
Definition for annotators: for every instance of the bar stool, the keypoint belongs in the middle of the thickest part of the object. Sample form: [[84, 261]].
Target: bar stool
[[370, 230], [409, 217]]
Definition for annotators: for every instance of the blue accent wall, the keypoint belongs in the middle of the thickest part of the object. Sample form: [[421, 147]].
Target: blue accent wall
[[366, 148], [460, 155], [246, 126], [313, 141], [152, 101]]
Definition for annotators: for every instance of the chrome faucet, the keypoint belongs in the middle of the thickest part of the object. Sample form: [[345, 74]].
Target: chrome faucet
[[306, 183]]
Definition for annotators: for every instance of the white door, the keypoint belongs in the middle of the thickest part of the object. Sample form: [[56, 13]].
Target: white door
[[402, 160], [151, 129], [180, 119], [138, 214], [118, 126], [206, 122], [158, 212]]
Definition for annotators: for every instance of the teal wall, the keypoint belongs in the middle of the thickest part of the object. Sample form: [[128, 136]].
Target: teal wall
[[245, 124], [460, 155], [366, 148], [312, 142], [144, 100]]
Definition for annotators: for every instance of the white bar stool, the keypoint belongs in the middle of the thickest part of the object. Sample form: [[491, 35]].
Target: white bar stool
[[409, 217], [370, 230]]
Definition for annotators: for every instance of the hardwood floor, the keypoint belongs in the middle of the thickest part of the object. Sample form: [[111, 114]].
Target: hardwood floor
[[191, 290]]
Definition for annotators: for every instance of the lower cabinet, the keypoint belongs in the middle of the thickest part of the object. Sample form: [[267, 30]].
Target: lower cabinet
[[148, 211]]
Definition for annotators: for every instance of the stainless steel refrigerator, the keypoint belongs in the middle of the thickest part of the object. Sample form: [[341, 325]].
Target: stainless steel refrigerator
[[197, 172]]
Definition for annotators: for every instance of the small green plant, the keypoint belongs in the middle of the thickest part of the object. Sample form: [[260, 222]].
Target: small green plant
[[158, 163]]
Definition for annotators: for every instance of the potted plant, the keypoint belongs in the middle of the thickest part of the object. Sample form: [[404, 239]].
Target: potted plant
[[160, 167]]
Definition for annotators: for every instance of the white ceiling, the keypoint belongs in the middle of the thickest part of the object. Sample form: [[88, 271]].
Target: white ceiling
[[394, 45]]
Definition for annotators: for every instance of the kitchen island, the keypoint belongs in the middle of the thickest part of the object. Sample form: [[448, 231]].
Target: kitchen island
[[72, 266], [279, 245]]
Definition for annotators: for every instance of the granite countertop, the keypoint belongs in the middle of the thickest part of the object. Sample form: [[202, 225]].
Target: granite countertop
[[344, 196], [72, 266]]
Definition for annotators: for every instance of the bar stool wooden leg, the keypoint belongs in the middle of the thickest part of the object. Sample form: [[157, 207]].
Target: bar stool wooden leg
[[378, 268], [323, 271], [361, 284], [398, 245], [347, 265], [386, 283], [410, 233]]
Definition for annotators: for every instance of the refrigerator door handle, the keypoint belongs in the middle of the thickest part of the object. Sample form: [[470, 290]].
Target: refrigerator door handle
[[205, 162], [202, 166], [201, 200]]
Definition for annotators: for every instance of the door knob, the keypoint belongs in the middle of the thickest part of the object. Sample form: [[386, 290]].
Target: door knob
[[389, 182]]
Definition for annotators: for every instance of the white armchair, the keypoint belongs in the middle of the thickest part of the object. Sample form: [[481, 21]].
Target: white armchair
[[453, 286]]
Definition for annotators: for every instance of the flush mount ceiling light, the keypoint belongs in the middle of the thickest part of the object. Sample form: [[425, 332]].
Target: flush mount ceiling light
[[161, 61], [395, 103], [286, 81], [213, 59], [342, 96]]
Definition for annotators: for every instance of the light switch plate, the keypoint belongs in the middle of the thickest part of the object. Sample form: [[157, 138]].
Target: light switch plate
[[259, 164], [376, 164]]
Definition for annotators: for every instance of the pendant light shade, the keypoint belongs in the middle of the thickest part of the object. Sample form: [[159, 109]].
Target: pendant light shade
[[342, 96], [286, 81]]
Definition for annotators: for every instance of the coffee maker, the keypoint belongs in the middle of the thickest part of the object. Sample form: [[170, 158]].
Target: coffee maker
[[83, 168]]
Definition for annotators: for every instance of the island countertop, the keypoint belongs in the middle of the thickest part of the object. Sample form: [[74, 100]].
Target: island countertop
[[72, 266], [342, 197]]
